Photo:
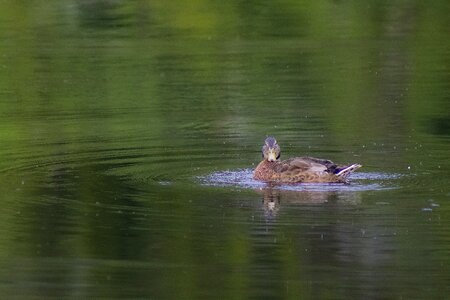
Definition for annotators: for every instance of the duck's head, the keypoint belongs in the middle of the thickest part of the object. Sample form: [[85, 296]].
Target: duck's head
[[271, 150]]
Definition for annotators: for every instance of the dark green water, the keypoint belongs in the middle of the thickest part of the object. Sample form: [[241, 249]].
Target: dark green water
[[128, 131]]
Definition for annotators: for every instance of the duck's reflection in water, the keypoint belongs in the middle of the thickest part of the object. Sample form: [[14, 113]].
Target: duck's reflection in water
[[273, 197], [327, 232]]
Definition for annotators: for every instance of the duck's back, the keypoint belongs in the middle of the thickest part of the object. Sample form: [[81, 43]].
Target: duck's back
[[305, 164]]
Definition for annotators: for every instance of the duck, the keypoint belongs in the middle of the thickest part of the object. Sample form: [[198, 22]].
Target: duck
[[298, 169]]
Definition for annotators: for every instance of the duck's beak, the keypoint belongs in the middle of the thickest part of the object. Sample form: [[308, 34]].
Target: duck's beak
[[272, 156]]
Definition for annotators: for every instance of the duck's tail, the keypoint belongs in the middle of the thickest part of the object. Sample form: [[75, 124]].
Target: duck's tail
[[346, 171]]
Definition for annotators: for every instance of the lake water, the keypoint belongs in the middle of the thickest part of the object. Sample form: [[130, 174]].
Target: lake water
[[129, 131]]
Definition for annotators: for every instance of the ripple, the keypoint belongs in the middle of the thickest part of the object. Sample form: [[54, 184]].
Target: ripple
[[243, 178]]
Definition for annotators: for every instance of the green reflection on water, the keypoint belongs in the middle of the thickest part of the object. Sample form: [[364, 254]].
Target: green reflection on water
[[109, 109]]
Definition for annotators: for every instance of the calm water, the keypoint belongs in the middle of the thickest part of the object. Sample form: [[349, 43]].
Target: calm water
[[129, 131]]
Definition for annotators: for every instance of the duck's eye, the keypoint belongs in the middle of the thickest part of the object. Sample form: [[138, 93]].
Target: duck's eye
[[279, 154]]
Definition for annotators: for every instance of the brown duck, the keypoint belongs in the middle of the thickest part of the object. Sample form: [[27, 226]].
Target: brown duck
[[298, 169]]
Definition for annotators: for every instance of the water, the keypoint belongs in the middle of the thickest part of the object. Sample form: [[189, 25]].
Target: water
[[129, 131]]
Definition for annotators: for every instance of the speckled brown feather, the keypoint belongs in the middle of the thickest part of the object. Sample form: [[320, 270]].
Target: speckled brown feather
[[293, 171], [299, 169]]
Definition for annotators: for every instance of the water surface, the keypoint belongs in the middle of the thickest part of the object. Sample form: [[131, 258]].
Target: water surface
[[129, 131]]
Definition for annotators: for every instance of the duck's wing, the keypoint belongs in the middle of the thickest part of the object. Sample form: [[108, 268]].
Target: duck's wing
[[306, 164]]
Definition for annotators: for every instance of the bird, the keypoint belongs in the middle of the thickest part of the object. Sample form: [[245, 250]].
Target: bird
[[298, 169]]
